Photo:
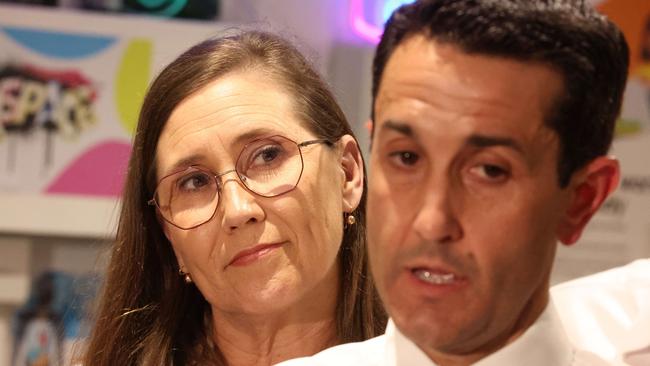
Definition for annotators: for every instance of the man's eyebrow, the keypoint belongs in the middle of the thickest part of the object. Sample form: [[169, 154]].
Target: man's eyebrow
[[399, 127], [477, 140], [489, 141]]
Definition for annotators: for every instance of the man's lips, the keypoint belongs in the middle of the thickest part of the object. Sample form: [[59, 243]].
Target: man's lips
[[434, 277], [251, 254], [436, 274]]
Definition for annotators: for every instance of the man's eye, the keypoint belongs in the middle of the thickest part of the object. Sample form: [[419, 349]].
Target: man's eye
[[490, 172], [405, 158]]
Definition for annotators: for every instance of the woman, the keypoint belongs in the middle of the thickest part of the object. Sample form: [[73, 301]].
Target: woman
[[242, 233]]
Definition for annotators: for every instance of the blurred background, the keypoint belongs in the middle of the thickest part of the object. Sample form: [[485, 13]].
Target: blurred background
[[73, 74]]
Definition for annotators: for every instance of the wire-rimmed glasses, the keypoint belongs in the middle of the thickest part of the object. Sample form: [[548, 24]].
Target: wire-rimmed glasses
[[268, 167]]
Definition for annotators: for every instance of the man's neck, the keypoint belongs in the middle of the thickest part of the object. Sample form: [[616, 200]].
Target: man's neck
[[525, 320]]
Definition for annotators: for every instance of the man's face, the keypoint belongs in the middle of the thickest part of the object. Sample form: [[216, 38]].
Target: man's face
[[464, 201]]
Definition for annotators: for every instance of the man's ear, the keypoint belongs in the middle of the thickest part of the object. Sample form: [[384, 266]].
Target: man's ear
[[589, 187], [370, 126], [353, 174]]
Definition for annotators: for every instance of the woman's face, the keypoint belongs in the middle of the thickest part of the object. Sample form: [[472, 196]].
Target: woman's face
[[259, 255]]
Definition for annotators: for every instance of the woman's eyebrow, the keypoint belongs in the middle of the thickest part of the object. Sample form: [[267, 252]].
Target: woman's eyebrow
[[252, 134], [186, 162], [239, 141]]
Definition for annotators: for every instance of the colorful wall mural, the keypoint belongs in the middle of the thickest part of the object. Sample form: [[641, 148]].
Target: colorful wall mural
[[70, 97]]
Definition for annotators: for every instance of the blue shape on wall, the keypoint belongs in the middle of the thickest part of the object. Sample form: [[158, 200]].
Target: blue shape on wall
[[57, 44]]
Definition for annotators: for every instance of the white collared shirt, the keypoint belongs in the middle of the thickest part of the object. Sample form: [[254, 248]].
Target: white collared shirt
[[543, 344], [608, 313]]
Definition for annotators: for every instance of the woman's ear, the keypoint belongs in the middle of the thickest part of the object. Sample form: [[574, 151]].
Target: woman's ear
[[353, 173], [165, 226], [166, 229], [589, 187]]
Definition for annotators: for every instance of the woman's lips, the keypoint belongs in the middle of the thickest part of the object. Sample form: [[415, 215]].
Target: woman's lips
[[250, 255]]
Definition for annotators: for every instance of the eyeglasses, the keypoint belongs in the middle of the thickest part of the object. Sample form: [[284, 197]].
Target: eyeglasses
[[267, 167]]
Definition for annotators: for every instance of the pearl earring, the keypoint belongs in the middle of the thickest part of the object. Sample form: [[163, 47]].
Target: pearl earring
[[186, 276]]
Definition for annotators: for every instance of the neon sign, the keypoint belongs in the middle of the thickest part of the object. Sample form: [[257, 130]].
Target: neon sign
[[371, 30]]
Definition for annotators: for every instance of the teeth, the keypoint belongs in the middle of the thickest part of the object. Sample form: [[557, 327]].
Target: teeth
[[434, 278]]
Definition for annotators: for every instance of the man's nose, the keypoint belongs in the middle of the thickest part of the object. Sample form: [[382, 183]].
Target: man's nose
[[438, 217]]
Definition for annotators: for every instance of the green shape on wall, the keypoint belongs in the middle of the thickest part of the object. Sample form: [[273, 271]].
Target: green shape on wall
[[131, 81], [627, 127]]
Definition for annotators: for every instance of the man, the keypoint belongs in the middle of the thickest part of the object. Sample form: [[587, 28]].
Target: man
[[609, 312], [492, 120]]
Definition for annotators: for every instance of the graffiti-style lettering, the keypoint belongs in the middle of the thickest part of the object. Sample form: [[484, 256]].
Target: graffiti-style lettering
[[31, 98], [30, 102], [73, 113], [9, 90]]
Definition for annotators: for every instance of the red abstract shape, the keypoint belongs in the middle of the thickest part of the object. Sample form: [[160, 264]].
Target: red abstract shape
[[71, 78]]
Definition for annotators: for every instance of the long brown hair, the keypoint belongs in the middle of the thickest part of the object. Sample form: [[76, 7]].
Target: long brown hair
[[147, 315]]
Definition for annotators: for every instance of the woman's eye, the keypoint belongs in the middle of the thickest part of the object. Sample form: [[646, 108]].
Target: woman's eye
[[269, 154], [193, 182], [266, 155], [405, 158]]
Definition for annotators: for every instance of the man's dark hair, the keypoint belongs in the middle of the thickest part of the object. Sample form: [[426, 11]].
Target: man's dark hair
[[587, 49]]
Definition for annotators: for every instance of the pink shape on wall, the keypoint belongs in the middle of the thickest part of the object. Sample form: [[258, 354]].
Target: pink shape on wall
[[100, 171]]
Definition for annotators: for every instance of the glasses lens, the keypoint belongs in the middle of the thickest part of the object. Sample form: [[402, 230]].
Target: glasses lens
[[187, 198], [270, 166]]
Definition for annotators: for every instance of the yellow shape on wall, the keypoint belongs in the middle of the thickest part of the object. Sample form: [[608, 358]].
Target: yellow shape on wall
[[131, 81]]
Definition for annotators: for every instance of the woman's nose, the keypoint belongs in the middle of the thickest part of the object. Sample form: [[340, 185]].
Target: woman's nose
[[239, 206]]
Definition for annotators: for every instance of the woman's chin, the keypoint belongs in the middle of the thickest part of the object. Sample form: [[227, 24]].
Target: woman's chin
[[269, 294]]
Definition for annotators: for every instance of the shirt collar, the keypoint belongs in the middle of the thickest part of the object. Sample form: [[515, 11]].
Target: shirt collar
[[401, 351], [544, 343]]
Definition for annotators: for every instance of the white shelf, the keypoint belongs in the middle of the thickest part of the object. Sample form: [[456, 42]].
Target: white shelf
[[60, 215], [14, 288]]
